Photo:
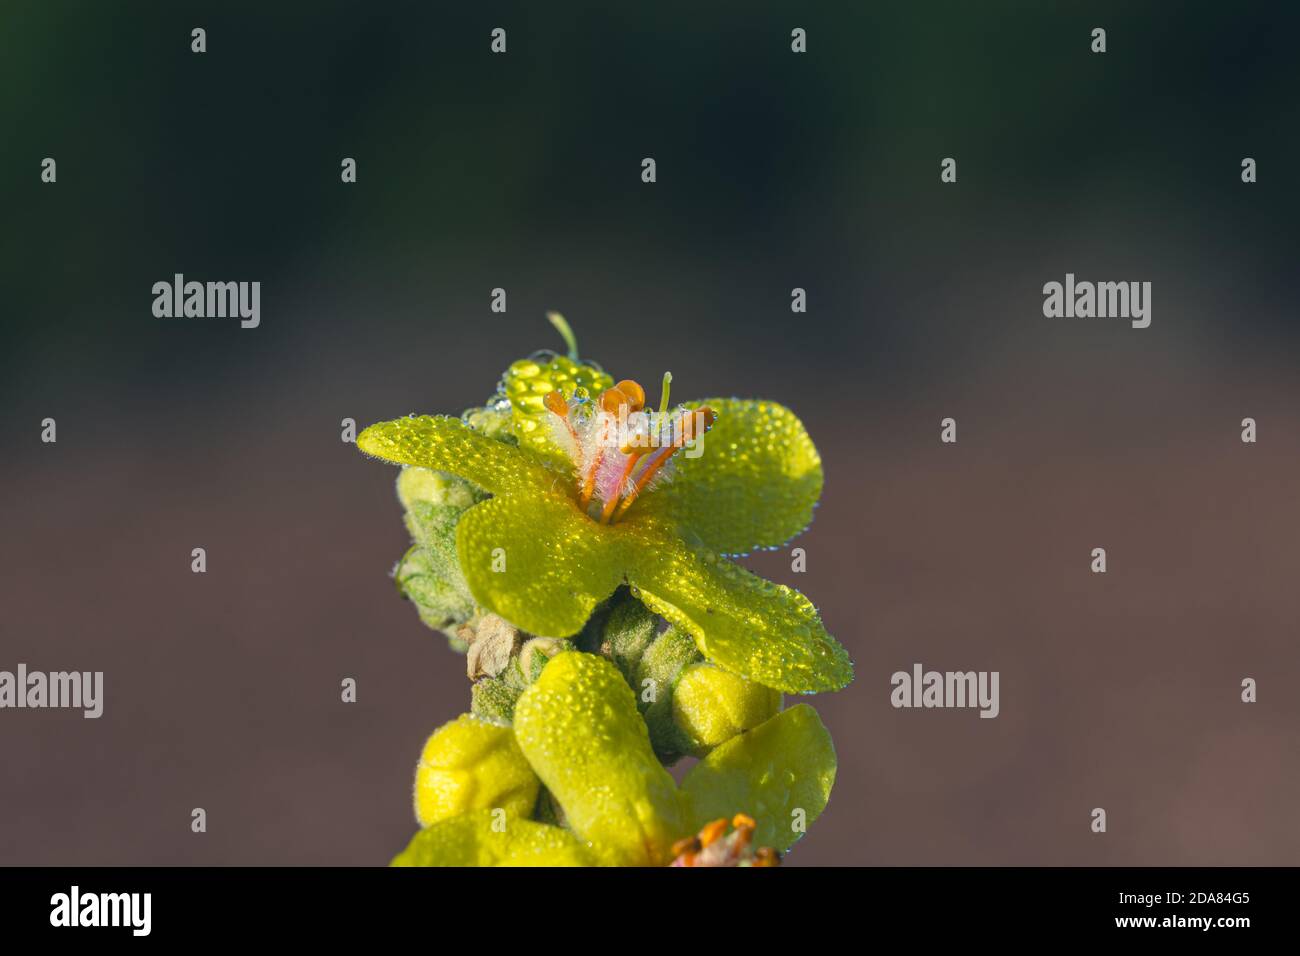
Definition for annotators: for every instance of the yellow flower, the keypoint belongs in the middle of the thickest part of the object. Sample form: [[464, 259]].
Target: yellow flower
[[591, 490]]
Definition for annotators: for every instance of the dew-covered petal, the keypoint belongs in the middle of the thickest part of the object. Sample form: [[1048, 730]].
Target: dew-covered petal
[[780, 773], [471, 764], [446, 444], [764, 631], [579, 727], [472, 839], [753, 484], [536, 560]]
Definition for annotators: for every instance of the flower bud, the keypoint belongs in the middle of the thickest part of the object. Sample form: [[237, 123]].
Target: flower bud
[[492, 421], [470, 764], [429, 574], [537, 653], [711, 705], [657, 674], [625, 634], [424, 486], [493, 699], [441, 598]]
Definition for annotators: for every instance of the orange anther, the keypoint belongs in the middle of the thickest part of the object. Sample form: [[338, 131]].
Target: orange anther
[[612, 400], [556, 404], [743, 820], [695, 423], [634, 392], [712, 831], [689, 844]]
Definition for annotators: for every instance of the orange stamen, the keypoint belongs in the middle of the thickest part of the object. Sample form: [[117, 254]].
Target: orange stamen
[[613, 499], [742, 837], [557, 406], [627, 397], [715, 846], [589, 483], [614, 401], [686, 431], [712, 831], [660, 457], [690, 844]]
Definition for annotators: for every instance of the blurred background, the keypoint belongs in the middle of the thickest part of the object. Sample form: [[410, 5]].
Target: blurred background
[[775, 170]]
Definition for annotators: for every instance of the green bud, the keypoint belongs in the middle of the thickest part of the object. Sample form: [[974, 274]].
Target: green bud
[[442, 599], [433, 527], [657, 674], [493, 420], [492, 698], [666, 656], [626, 632], [434, 503], [429, 574], [537, 653], [425, 486]]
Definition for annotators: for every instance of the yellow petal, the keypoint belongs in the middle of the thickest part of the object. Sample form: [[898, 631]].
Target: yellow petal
[[476, 839], [780, 773], [446, 444], [537, 561], [754, 482], [767, 632], [580, 729]]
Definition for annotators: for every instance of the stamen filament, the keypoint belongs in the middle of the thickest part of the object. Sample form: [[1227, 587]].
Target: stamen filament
[[713, 846], [557, 406], [712, 831], [688, 427], [632, 459], [589, 483], [660, 457], [653, 442]]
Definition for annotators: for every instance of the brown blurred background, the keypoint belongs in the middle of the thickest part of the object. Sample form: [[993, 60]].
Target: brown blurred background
[[775, 170]]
